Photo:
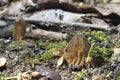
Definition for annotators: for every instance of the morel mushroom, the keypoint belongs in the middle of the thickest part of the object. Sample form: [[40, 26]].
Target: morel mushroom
[[20, 28], [76, 51]]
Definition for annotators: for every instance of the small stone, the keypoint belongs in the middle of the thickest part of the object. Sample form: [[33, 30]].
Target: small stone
[[2, 23], [116, 51], [114, 58], [35, 74], [2, 62], [97, 77], [118, 60]]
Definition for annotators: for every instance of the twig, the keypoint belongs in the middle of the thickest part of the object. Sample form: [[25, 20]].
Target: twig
[[85, 25]]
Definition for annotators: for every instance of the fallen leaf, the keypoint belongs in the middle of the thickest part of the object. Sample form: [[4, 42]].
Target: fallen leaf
[[60, 61]]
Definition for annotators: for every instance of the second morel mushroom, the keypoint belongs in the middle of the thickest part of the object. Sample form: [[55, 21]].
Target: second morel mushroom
[[20, 28]]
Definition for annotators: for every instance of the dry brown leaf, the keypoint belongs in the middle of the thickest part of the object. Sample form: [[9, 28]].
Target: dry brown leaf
[[109, 9], [98, 21], [60, 61]]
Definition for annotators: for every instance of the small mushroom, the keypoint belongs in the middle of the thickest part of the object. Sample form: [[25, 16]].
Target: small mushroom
[[2, 62]]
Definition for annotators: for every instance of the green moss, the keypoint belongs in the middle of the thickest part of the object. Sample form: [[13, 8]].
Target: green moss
[[1, 45], [15, 44], [117, 42], [80, 75], [50, 48], [35, 59], [106, 53], [2, 76], [41, 42], [118, 78], [97, 50], [99, 35], [48, 54]]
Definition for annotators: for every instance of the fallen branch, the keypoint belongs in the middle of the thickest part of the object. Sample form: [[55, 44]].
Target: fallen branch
[[84, 25], [38, 33]]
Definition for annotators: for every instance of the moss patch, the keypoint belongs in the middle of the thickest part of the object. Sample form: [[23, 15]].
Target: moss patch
[[16, 44], [50, 48], [118, 78], [98, 50]]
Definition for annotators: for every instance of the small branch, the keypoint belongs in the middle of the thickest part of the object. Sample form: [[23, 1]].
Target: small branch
[[38, 33], [85, 25]]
